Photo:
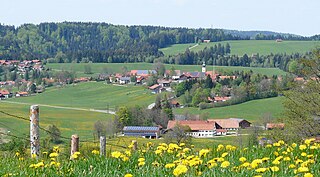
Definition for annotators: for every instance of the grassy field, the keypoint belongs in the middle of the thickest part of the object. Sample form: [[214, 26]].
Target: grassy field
[[116, 67], [92, 95], [252, 110], [68, 121], [249, 47]]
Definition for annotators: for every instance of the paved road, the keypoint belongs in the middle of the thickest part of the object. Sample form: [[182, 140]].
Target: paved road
[[63, 107]]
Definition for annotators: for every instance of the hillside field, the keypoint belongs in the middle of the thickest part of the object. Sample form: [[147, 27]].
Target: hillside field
[[97, 68], [251, 110], [68, 121], [92, 95], [241, 47]]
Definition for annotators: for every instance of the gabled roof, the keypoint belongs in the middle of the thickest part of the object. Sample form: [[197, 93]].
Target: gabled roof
[[193, 124], [4, 92], [154, 86], [226, 123], [275, 125]]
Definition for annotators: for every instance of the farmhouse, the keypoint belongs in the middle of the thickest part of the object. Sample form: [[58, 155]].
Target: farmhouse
[[231, 125], [5, 94], [155, 88], [218, 99], [198, 128], [146, 132], [124, 80]]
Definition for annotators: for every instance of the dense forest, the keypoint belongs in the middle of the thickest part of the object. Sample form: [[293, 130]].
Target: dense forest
[[103, 42]]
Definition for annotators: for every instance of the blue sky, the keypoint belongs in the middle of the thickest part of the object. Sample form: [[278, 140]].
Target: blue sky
[[288, 16]]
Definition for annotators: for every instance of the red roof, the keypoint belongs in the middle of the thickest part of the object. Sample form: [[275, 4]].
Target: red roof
[[193, 124], [275, 125], [218, 98], [154, 86], [4, 92], [226, 123]]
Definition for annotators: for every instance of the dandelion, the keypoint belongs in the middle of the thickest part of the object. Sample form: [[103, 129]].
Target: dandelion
[[156, 164], [180, 169], [292, 166], [128, 175], [274, 168], [116, 154], [303, 169], [261, 170], [224, 154], [302, 147], [54, 154], [203, 152], [17, 154], [95, 152], [242, 159], [141, 163], [170, 165], [220, 147], [308, 175], [225, 164]]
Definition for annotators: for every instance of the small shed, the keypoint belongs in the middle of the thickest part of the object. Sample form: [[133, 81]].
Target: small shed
[[142, 131]]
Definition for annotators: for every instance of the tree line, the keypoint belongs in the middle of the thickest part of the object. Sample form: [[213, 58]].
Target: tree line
[[99, 42]]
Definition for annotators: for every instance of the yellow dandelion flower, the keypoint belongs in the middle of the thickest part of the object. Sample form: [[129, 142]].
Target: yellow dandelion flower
[[180, 169], [242, 159], [54, 154], [141, 163], [292, 166], [156, 164], [224, 154], [261, 170], [186, 150], [303, 169], [170, 165], [116, 154], [220, 147], [302, 147], [276, 162], [293, 145], [274, 168], [95, 152], [286, 158], [128, 175], [225, 164], [182, 144], [308, 175], [268, 145], [17, 154], [203, 152]]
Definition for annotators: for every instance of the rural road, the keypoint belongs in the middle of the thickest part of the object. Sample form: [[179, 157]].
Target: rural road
[[63, 107]]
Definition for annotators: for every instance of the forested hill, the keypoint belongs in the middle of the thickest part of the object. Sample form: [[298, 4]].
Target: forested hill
[[97, 42]]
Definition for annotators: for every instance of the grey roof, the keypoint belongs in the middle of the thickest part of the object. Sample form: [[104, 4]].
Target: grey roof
[[140, 128], [146, 72]]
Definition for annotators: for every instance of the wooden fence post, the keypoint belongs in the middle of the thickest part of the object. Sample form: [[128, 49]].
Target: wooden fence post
[[34, 131], [74, 144], [103, 145], [135, 145]]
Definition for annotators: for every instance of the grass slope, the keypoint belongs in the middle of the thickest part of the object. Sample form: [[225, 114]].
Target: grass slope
[[241, 47], [92, 95], [251, 110], [68, 121], [116, 67]]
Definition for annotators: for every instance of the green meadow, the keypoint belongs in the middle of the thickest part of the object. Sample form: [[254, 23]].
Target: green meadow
[[251, 110], [117, 67], [92, 95], [68, 121], [241, 47]]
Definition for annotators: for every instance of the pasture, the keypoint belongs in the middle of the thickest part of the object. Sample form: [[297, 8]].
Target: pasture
[[92, 95], [118, 67], [251, 110], [241, 47], [68, 121]]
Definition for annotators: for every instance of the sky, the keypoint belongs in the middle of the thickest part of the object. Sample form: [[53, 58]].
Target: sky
[[287, 16]]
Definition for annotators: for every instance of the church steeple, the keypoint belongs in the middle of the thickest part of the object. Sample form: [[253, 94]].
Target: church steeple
[[204, 67]]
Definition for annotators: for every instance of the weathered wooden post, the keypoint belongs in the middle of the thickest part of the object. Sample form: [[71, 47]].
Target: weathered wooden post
[[135, 145], [34, 131], [103, 145], [74, 144]]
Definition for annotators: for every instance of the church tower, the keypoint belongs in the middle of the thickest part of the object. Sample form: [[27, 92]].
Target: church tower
[[204, 67]]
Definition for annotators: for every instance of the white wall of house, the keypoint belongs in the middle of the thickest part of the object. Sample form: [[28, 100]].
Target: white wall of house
[[202, 133]]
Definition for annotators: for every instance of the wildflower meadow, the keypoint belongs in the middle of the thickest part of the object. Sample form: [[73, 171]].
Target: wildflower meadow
[[277, 159]]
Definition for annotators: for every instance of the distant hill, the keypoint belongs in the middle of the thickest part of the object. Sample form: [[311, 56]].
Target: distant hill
[[103, 42], [253, 34]]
